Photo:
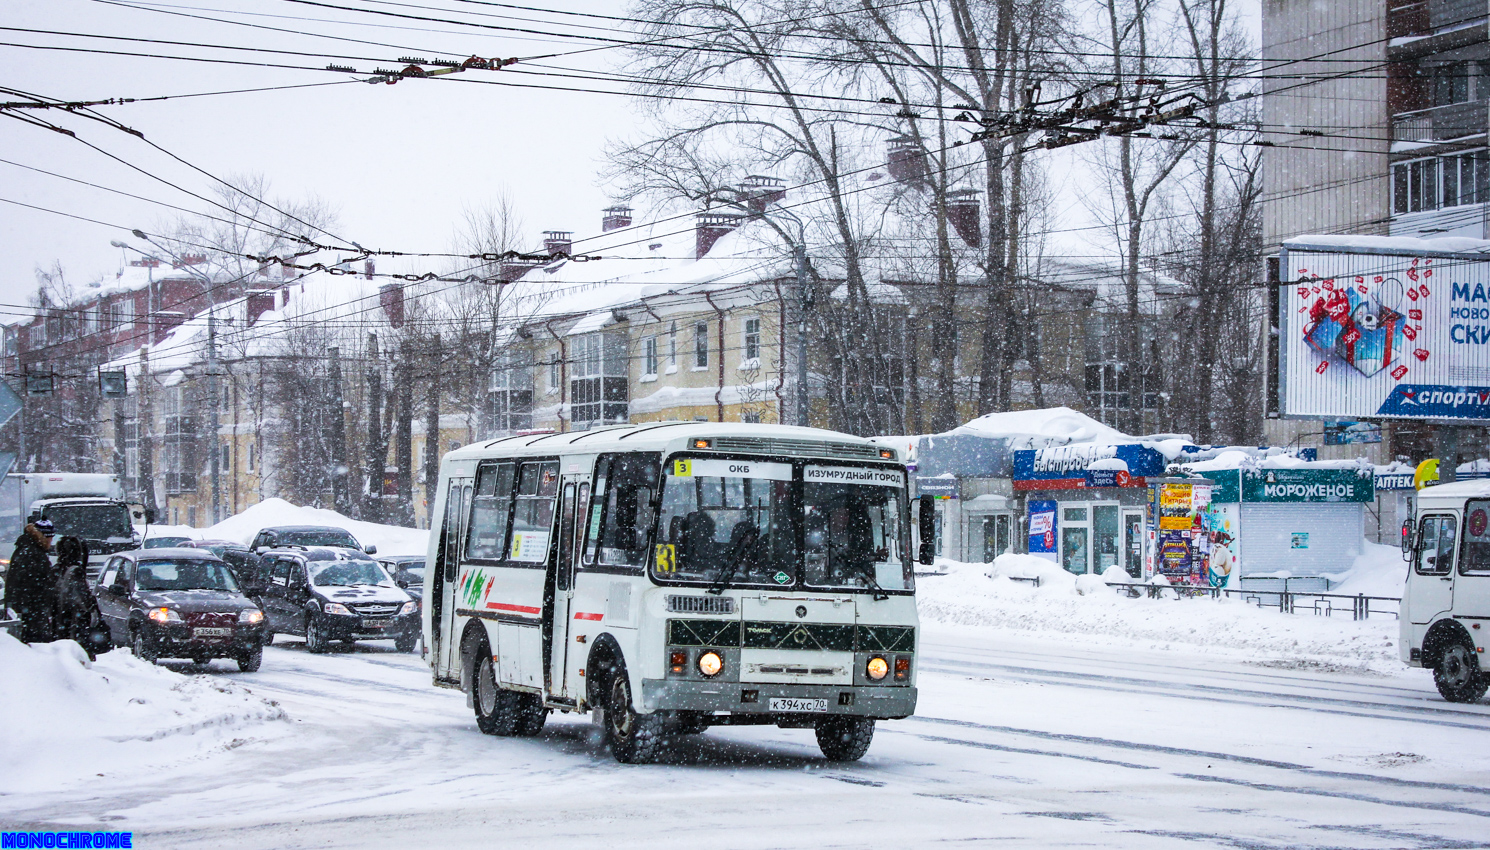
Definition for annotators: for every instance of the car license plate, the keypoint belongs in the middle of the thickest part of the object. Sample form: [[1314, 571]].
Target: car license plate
[[795, 704], [376, 624], [208, 633]]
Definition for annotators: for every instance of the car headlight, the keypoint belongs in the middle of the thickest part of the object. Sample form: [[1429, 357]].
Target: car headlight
[[335, 608], [250, 616], [164, 615], [877, 668], [409, 607], [710, 663]]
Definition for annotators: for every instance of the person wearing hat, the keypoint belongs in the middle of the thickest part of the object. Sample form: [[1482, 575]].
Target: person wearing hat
[[78, 617], [31, 583]]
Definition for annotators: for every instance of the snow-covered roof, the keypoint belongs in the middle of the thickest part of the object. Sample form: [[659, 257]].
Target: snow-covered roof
[[1389, 244], [1050, 426]]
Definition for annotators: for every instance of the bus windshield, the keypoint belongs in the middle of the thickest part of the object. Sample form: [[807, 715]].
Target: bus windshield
[[726, 521], [730, 522], [90, 522], [854, 528]]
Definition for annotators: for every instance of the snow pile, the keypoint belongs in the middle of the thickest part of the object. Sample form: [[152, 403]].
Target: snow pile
[[1076, 609], [1051, 426], [390, 539], [1378, 571], [67, 718]]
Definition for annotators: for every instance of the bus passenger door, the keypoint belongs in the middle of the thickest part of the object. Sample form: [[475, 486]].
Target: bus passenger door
[[561, 585], [444, 647]]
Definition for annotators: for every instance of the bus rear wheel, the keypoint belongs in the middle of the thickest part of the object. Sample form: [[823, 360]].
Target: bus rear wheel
[[634, 738], [496, 709], [844, 738], [1458, 675]]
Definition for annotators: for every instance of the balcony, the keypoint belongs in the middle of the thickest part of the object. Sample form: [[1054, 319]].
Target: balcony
[[1420, 27], [1441, 124]]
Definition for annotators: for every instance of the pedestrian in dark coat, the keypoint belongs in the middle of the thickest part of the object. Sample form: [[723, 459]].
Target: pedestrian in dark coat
[[78, 617], [31, 583]]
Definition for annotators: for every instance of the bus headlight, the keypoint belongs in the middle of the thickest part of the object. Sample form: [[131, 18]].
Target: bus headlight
[[877, 668], [710, 663]]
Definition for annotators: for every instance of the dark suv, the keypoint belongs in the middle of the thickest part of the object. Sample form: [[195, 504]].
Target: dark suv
[[326, 593], [306, 535], [179, 603]]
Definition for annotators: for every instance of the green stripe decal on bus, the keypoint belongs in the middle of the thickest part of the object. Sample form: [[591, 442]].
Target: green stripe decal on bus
[[828, 636], [703, 632], [886, 639]]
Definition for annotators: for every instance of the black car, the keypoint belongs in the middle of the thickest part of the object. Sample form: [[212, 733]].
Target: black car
[[244, 564], [179, 603], [306, 535], [326, 593], [407, 572]]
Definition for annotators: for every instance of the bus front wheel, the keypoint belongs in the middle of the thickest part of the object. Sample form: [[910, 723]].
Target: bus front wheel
[[844, 738], [1458, 675], [634, 738]]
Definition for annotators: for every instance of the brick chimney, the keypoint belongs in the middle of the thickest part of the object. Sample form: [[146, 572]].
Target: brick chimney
[[616, 218], [369, 268], [558, 242], [391, 298], [759, 191], [963, 213], [905, 162], [258, 304], [708, 229]]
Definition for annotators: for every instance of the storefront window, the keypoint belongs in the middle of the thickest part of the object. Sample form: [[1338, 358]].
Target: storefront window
[[1074, 552], [1105, 537]]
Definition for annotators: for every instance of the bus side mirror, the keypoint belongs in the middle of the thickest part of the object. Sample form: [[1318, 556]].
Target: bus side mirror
[[1408, 543], [926, 519]]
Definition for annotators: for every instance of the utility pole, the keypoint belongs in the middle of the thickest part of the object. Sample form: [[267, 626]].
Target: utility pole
[[339, 468], [799, 251], [403, 438], [143, 425], [213, 420], [377, 444], [432, 431]]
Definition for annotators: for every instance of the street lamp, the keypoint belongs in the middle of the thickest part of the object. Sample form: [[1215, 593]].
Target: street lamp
[[214, 452], [799, 256]]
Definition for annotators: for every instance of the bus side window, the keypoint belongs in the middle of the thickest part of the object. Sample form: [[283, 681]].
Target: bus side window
[[491, 503], [533, 513], [622, 512], [1436, 555], [1476, 555]]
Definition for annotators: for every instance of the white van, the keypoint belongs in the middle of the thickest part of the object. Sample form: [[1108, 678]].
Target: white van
[[1446, 602]]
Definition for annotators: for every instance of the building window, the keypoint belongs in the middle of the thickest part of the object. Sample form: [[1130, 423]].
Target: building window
[[672, 345], [752, 339], [178, 457], [598, 394], [701, 345], [553, 372], [1459, 82], [227, 457], [649, 355], [251, 453], [1415, 186], [510, 394], [751, 416]]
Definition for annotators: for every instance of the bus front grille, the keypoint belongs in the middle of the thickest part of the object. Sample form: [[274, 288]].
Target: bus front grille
[[700, 604]]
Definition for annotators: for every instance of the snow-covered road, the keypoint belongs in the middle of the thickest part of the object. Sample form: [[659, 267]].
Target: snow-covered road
[[1021, 743]]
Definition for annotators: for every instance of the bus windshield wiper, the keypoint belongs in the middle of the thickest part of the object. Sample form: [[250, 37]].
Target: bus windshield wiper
[[740, 549], [866, 569]]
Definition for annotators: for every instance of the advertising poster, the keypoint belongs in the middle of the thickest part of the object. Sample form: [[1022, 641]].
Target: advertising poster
[[1183, 534], [1042, 528], [1176, 507], [1384, 335]]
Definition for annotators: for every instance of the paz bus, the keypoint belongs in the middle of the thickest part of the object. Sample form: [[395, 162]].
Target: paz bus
[[1445, 611], [668, 577]]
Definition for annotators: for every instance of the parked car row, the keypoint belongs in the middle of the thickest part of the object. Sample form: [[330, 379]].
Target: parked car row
[[206, 599]]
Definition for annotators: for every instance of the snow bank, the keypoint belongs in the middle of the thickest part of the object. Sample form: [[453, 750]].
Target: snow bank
[[1067, 609], [66, 718], [390, 539], [1378, 571]]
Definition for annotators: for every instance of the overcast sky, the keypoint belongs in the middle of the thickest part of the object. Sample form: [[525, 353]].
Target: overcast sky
[[398, 163]]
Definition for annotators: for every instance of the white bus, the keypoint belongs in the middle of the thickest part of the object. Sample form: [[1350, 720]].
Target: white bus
[[1446, 601], [674, 576]]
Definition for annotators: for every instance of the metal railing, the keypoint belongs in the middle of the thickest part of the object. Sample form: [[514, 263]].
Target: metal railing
[[1287, 601]]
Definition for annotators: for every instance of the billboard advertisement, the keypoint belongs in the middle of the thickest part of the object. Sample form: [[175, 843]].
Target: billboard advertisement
[[1381, 332]]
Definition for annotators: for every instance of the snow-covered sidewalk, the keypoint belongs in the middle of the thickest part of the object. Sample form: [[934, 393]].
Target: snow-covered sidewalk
[[1083, 611]]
